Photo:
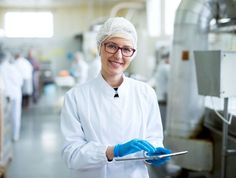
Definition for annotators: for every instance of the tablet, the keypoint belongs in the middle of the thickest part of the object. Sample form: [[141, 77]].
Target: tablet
[[151, 157]]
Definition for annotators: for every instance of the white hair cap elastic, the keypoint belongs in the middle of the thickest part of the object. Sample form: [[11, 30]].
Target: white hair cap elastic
[[117, 27]]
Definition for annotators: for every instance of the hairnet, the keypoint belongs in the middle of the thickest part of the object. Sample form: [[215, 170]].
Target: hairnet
[[117, 27]]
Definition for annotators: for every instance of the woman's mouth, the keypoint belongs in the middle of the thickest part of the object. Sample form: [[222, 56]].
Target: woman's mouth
[[116, 64]]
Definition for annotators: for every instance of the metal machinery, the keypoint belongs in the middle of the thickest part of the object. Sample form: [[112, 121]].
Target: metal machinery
[[190, 125], [218, 81]]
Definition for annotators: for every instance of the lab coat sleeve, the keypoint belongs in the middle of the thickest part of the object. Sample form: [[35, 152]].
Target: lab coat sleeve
[[154, 132], [78, 153]]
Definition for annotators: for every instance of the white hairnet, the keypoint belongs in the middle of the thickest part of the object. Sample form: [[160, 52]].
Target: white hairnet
[[117, 27]]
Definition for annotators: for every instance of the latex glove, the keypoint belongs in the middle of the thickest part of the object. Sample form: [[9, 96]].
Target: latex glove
[[159, 151], [133, 146]]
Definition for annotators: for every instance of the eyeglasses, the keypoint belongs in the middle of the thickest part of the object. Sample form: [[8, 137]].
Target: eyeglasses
[[112, 48]]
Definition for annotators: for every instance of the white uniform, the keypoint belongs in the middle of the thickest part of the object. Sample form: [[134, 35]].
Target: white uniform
[[13, 83], [92, 119], [162, 78], [94, 68], [82, 68], [26, 70]]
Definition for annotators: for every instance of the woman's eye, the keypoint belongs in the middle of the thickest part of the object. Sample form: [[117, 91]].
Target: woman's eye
[[127, 49], [112, 46]]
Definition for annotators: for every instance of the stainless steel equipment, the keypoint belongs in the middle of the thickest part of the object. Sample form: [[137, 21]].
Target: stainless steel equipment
[[186, 112]]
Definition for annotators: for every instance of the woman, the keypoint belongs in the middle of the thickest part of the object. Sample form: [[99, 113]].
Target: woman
[[112, 115]]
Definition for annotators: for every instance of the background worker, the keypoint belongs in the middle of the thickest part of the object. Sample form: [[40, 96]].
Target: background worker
[[26, 70], [35, 75], [79, 68], [13, 82]]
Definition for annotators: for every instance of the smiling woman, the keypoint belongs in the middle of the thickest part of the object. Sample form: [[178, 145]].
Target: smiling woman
[[28, 24], [112, 115]]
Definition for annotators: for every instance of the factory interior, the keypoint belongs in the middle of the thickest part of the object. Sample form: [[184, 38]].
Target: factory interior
[[186, 52]]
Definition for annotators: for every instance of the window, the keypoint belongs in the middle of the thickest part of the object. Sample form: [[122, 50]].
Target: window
[[154, 17], [161, 16], [170, 9], [28, 24]]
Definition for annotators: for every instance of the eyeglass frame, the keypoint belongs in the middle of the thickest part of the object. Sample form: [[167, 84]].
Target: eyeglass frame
[[118, 48]]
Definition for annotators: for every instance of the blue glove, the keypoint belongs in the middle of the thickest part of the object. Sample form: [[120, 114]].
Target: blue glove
[[133, 146], [159, 151]]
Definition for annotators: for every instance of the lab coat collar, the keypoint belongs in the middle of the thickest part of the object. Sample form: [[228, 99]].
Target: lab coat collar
[[108, 90]]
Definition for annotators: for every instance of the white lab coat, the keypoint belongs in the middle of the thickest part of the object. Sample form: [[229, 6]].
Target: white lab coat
[[12, 79], [82, 68], [26, 71], [92, 119], [2, 86], [162, 79], [13, 82], [94, 68]]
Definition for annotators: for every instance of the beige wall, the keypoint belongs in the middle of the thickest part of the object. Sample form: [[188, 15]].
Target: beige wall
[[70, 21]]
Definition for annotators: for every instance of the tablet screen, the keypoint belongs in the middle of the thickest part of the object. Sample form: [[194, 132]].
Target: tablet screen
[[151, 157]]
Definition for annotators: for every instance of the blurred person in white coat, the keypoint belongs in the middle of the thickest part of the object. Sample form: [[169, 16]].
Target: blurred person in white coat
[[79, 68], [13, 83], [26, 71], [94, 65], [162, 78], [112, 115], [36, 74]]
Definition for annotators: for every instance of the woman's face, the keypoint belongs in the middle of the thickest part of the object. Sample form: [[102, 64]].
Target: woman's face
[[115, 64]]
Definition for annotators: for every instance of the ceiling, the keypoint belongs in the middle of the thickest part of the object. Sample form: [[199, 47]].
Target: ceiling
[[39, 3]]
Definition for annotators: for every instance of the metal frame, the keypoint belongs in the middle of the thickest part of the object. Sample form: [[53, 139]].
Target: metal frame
[[225, 151]]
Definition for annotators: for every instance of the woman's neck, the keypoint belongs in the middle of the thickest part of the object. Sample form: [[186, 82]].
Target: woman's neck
[[114, 81]]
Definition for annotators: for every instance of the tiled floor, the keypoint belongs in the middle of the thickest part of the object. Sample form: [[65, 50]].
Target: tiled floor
[[37, 153]]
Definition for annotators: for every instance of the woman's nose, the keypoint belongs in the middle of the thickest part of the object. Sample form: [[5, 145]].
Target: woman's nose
[[118, 54]]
